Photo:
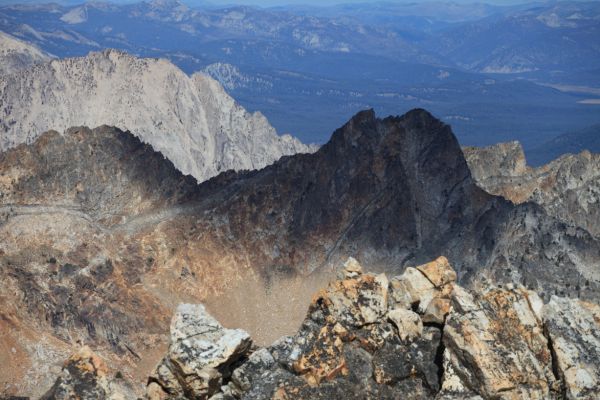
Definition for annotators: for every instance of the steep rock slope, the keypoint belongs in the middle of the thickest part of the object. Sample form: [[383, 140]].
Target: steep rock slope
[[102, 237], [191, 120], [567, 188], [16, 54]]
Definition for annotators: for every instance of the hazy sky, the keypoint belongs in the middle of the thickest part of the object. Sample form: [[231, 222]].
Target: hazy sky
[[269, 3], [330, 2]]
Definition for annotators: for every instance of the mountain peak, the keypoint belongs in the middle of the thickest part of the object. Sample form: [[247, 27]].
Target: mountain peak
[[364, 115], [191, 120], [366, 130], [420, 115]]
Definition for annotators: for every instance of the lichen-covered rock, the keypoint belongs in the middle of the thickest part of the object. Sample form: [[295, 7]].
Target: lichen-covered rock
[[409, 324], [439, 272], [347, 348], [352, 268], [496, 346], [84, 376], [396, 362], [574, 330], [356, 301], [426, 288], [200, 355], [412, 288]]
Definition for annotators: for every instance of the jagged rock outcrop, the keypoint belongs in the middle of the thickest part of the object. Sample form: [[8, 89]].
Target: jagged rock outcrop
[[101, 237], [502, 159], [495, 346], [191, 120], [16, 55], [347, 347], [503, 343], [200, 355], [573, 328], [86, 376], [567, 188]]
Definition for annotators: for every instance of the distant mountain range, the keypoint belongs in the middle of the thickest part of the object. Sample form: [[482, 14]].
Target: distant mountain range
[[546, 44], [477, 66], [572, 142]]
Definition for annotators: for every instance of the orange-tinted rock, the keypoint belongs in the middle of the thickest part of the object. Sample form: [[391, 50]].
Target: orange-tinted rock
[[85, 376], [439, 272], [497, 347]]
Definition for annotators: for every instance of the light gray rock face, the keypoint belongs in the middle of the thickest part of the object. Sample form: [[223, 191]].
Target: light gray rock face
[[574, 330], [502, 159], [409, 324], [190, 120], [200, 354], [427, 289], [16, 54]]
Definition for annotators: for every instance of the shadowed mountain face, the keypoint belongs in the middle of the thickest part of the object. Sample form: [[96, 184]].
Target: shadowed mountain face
[[350, 195], [108, 236]]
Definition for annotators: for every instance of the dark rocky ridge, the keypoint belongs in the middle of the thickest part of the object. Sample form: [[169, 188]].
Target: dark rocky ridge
[[105, 174], [102, 237]]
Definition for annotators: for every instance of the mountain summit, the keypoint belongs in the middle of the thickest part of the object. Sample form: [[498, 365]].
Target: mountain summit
[[191, 120]]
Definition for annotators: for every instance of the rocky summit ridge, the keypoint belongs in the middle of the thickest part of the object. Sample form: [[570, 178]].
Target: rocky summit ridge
[[567, 188], [190, 119], [101, 237], [418, 335]]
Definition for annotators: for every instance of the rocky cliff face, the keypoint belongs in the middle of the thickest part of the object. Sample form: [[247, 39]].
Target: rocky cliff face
[[502, 159], [367, 336], [101, 237], [567, 188], [16, 55], [191, 120]]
